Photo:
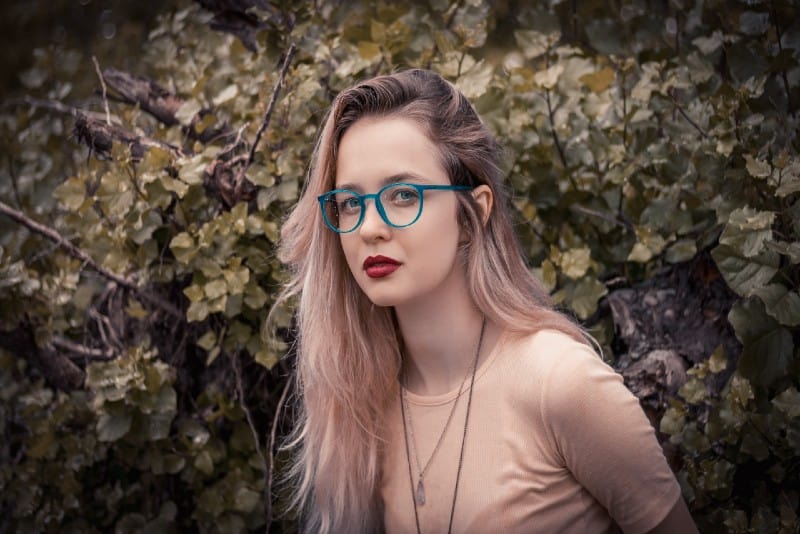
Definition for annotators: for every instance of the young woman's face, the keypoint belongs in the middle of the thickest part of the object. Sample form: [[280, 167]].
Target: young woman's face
[[397, 266]]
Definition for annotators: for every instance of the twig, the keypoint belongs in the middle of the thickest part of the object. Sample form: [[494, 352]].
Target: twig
[[273, 432], [71, 249], [685, 115], [15, 186], [58, 107], [79, 254], [778, 34], [92, 354], [105, 89], [606, 217], [243, 403], [287, 60]]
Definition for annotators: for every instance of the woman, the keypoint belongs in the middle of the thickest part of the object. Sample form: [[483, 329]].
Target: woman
[[439, 389]]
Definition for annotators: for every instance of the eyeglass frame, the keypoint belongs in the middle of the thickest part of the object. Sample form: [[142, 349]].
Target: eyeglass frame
[[376, 197]]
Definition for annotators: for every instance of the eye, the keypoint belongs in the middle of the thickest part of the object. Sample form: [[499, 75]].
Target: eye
[[403, 196], [348, 204]]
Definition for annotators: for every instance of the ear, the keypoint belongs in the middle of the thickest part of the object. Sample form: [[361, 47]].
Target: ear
[[485, 198]]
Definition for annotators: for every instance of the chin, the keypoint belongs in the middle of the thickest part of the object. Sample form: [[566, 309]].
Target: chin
[[382, 295], [382, 300]]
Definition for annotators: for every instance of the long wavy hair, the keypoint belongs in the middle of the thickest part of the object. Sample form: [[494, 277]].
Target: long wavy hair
[[349, 351]]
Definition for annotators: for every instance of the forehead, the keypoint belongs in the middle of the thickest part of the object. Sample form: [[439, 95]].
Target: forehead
[[374, 150]]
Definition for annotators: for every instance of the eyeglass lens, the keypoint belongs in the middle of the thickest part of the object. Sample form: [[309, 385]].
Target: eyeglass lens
[[400, 205]]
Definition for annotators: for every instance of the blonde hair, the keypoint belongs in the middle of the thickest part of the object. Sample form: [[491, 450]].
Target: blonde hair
[[349, 354]]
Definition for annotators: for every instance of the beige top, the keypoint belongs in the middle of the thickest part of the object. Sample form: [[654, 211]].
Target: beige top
[[555, 443]]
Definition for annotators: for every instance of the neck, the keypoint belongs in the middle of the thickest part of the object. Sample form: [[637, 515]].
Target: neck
[[440, 337]]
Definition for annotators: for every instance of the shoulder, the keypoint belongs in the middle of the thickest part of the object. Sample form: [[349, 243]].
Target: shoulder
[[563, 377], [553, 354]]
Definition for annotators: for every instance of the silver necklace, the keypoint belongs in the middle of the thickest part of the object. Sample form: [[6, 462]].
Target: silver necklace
[[418, 496]]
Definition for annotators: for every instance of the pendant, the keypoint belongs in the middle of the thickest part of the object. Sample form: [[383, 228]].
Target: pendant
[[420, 493]]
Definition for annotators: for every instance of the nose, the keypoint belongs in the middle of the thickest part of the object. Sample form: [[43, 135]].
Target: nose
[[373, 226]]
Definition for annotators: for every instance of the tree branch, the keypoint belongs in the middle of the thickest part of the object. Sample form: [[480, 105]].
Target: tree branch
[[81, 255], [266, 465], [159, 102], [287, 60], [57, 369], [100, 137], [59, 240], [685, 115], [81, 350], [272, 434], [105, 89], [58, 107]]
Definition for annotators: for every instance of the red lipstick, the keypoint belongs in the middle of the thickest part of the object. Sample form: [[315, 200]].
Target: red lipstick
[[380, 266]]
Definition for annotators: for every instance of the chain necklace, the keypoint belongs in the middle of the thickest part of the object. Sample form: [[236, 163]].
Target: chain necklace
[[418, 496]]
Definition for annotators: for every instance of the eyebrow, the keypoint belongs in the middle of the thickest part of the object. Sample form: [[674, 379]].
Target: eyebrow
[[393, 179]]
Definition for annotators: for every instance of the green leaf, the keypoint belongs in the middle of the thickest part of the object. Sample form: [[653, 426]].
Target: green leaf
[[192, 171], [207, 340], [745, 275], [782, 304], [600, 80], [113, 427], [229, 93], [197, 311], [718, 360], [475, 81], [533, 43], [767, 347], [788, 402], [791, 250], [584, 296], [753, 22], [789, 180], [368, 50], [246, 500], [756, 167], [680, 251], [693, 391], [747, 230], [254, 296], [71, 193], [187, 111], [215, 288], [575, 262], [204, 463], [183, 247], [548, 78]]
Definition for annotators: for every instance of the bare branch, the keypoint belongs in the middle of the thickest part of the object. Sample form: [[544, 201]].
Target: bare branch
[[287, 60], [81, 255], [57, 369], [58, 107], [272, 434], [266, 465], [100, 137], [600, 215], [160, 103], [59, 240], [105, 89], [685, 115], [81, 350]]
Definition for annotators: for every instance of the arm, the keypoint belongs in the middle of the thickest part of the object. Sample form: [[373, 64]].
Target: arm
[[608, 444], [678, 520]]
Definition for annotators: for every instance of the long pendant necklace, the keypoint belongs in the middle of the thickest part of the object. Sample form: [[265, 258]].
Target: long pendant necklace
[[418, 495]]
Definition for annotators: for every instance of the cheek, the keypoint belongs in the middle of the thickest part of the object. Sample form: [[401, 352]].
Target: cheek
[[349, 250]]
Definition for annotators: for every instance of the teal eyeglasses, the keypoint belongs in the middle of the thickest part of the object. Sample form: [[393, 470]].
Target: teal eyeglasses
[[399, 205]]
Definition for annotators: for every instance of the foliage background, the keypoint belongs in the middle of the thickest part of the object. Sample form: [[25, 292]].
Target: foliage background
[[642, 138]]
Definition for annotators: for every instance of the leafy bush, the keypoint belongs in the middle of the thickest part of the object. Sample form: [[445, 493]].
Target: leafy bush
[[142, 386]]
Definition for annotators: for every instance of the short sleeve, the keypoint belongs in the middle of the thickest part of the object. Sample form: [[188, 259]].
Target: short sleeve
[[604, 438]]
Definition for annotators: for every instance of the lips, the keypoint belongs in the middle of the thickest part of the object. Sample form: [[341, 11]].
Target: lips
[[380, 266]]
